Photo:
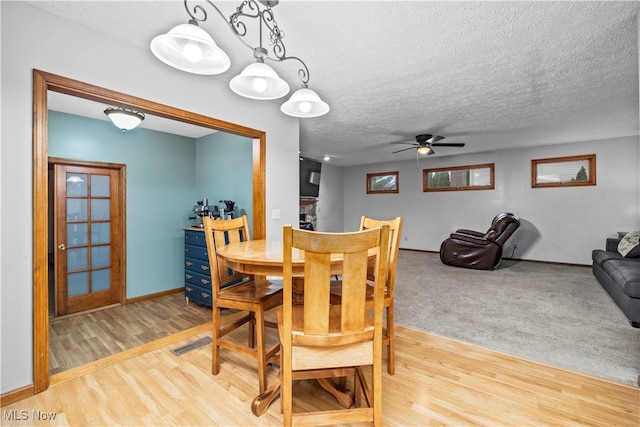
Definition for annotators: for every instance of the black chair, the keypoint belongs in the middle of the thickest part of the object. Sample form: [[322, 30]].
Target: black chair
[[477, 250]]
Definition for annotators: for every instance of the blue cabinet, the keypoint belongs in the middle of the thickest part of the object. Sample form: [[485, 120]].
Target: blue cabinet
[[197, 274]]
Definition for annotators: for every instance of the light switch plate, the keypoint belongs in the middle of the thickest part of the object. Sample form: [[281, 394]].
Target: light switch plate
[[275, 214]]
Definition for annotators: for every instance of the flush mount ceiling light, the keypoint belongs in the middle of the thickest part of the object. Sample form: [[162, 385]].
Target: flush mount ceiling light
[[189, 48], [124, 118]]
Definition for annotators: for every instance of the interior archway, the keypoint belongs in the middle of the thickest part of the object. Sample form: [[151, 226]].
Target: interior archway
[[44, 82]]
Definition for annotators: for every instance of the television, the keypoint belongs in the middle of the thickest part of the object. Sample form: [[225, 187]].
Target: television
[[309, 177]]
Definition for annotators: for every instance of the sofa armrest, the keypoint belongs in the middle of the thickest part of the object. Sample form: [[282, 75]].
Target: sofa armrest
[[612, 244], [470, 239], [470, 232]]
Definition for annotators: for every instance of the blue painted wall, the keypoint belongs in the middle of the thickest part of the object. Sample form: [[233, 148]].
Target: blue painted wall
[[165, 175], [224, 171]]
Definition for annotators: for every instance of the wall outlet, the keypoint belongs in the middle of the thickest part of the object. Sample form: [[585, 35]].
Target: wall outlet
[[406, 238], [275, 214]]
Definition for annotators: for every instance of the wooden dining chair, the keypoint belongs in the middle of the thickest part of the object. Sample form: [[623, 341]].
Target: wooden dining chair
[[324, 340], [395, 226], [241, 292]]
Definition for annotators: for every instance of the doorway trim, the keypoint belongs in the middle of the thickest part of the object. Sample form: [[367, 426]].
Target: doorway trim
[[44, 82]]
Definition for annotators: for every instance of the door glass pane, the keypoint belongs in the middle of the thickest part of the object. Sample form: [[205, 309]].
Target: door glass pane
[[76, 184], [77, 210], [100, 232], [100, 209], [77, 284], [101, 280], [100, 185], [77, 234], [100, 256], [77, 259]]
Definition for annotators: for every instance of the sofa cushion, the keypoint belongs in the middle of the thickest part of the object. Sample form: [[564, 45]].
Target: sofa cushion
[[599, 256], [629, 246], [626, 273]]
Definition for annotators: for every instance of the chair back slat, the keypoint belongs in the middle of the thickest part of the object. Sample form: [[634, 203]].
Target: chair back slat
[[395, 227], [354, 291], [217, 234], [316, 295]]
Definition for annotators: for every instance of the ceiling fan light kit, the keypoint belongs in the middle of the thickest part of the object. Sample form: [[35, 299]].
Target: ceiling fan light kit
[[189, 48], [425, 142]]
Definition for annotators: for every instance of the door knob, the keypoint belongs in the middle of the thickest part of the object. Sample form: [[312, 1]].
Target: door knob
[[62, 247]]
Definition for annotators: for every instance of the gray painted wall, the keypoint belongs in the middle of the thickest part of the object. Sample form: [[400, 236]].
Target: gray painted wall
[[330, 207], [559, 224]]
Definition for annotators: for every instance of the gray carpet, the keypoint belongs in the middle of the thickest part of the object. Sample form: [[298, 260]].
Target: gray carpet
[[554, 314]]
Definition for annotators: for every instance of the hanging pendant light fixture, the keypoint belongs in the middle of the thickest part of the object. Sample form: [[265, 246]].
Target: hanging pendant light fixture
[[258, 80], [124, 118], [189, 48], [305, 103]]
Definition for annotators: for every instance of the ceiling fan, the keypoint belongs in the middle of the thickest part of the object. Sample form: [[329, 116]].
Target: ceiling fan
[[425, 143]]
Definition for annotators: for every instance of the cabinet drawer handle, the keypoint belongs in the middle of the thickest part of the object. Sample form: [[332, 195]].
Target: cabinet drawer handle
[[189, 263], [188, 276], [204, 295], [204, 267], [189, 289], [204, 281]]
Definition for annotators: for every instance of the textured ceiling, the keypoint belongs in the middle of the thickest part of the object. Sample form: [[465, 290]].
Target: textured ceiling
[[490, 74]]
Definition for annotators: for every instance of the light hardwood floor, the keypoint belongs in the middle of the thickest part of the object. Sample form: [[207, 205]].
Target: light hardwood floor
[[438, 381], [82, 338]]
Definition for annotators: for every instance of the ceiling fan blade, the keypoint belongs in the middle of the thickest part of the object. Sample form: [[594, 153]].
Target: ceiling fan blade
[[404, 149], [448, 144], [437, 138], [431, 152]]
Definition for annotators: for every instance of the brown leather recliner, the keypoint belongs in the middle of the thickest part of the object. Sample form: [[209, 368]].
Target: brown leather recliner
[[474, 249]]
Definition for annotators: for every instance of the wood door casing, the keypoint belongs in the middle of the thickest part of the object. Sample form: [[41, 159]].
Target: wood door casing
[[88, 220]]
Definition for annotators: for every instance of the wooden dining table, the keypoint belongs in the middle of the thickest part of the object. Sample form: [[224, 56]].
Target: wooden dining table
[[265, 258]]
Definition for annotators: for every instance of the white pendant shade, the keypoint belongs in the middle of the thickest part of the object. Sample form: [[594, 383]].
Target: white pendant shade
[[124, 119], [189, 48], [259, 81], [305, 103]]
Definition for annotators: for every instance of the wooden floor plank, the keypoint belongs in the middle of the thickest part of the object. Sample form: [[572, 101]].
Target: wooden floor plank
[[82, 338], [438, 381]]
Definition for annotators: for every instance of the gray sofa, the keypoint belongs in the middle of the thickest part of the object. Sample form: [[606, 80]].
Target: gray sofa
[[620, 277]]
